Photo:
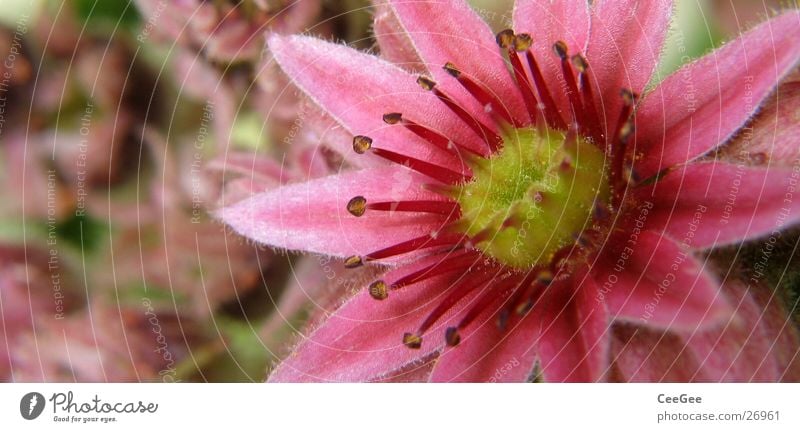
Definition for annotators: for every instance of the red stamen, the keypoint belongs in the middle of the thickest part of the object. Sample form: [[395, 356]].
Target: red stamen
[[530, 290], [618, 146], [506, 39], [487, 100], [461, 261], [415, 244], [551, 113], [434, 171], [446, 208], [457, 293], [591, 115], [628, 102], [430, 135], [493, 140], [560, 49], [488, 298]]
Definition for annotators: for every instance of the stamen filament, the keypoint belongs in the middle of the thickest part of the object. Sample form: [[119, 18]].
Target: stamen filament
[[488, 101], [552, 115], [415, 244], [506, 39], [454, 262], [560, 49], [591, 116], [456, 293], [445, 208], [433, 171], [429, 135]]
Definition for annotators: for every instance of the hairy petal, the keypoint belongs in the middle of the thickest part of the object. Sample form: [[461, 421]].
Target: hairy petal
[[450, 31], [643, 354], [394, 42], [757, 343], [313, 216], [362, 340], [625, 48], [704, 103], [722, 203], [774, 132], [488, 354], [738, 349], [658, 283], [547, 22], [356, 89], [575, 334]]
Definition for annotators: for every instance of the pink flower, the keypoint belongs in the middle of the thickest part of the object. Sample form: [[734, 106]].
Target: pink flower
[[526, 200], [225, 31]]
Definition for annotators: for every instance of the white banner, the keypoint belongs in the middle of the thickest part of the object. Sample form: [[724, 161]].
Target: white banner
[[399, 407]]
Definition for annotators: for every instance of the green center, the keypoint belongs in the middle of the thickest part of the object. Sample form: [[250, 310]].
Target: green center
[[534, 197]]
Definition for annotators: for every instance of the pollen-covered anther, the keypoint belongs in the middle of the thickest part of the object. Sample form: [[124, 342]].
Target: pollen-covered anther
[[502, 319], [378, 290], [505, 38], [601, 212], [628, 97], [426, 83], [361, 144], [451, 336], [489, 101], [412, 341], [522, 42], [451, 69], [561, 50], [580, 63], [357, 206], [544, 278], [626, 131], [524, 307], [392, 118], [582, 239], [629, 174], [352, 262]]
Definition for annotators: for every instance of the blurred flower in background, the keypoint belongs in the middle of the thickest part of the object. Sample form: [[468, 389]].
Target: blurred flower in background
[[124, 124]]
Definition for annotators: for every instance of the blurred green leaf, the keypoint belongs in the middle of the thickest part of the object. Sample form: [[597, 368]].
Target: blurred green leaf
[[108, 11], [81, 232]]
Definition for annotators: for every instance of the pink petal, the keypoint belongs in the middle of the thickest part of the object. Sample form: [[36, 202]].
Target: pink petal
[[656, 282], [779, 332], [450, 31], [737, 349], [357, 89], [625, 48], [643, 354], [575, 333], [488, 354], [233, 40], [718, 203], [758, 343], [362, 341], [704, 103], [417, 372], [395, 44], [262, 170], [548, 22], [313, 217], [775, 131]]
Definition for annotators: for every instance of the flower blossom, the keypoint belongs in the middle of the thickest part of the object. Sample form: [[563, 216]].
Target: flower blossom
[[526, 191]]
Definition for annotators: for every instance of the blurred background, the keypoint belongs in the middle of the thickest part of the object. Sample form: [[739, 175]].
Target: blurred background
[[122, 125]]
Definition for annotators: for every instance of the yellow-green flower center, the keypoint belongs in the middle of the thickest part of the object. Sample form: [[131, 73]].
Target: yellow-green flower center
[[533, 198]]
